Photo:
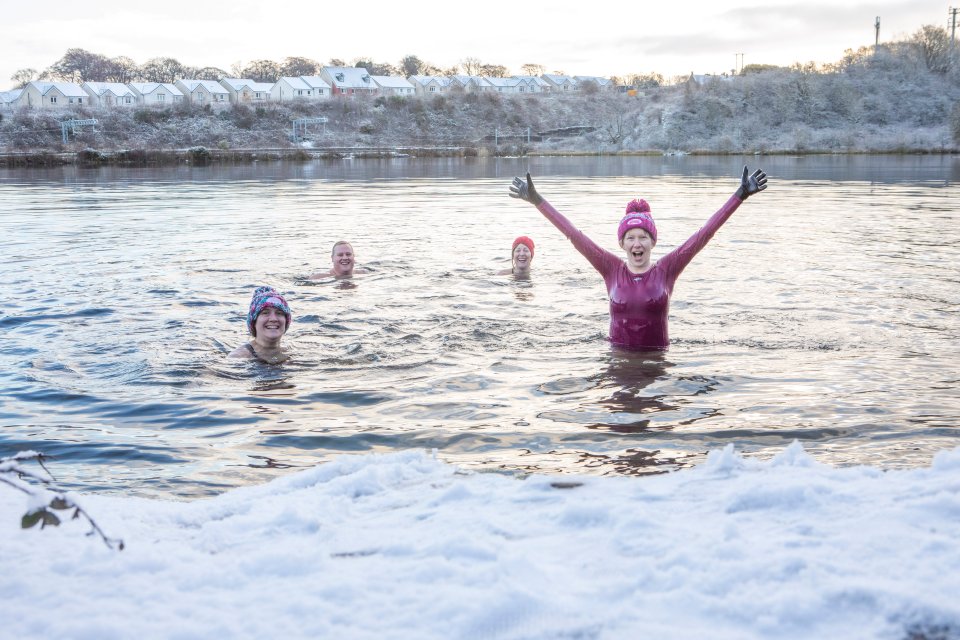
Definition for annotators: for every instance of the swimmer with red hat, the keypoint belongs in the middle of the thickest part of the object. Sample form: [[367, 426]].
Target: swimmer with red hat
[[521, 258]]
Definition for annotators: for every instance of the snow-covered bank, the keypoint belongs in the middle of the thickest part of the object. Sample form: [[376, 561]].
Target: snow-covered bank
[[404, 546]]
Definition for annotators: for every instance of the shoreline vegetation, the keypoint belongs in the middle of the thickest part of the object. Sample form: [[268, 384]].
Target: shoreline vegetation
[[896, 98], [201, 156]]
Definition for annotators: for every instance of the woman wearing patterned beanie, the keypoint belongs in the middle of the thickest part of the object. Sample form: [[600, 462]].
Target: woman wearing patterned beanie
[[639, 290], [521, 258], [268, 319]]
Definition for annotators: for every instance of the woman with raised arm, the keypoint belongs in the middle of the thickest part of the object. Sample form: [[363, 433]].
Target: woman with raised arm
[[640, 290]]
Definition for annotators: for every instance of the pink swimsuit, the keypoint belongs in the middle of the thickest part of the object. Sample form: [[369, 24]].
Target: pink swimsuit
[[639, 302]]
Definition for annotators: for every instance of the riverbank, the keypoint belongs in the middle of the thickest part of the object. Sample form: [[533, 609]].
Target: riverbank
[[201, 156], [877, 103]]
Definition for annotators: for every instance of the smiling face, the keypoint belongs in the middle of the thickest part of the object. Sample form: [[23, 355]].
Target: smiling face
[[522, 258], [270, 325], [637, 244], [342, 258]]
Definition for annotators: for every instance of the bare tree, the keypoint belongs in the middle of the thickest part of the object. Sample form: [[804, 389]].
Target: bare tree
[[296, 67], [494, 71], [382, 69], [24, 76], [79, 65], [471, 66], [162, 70], [413, 66], [645, 80], [337, 62], [209, 73], [262, 71], [122, 69], [935, 46], [531, 69]]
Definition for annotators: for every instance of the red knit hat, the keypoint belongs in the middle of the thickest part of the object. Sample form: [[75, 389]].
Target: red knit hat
[[524, 240]]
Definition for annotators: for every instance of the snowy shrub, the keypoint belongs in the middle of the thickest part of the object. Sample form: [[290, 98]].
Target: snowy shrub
[[45, 499], [198, 156]]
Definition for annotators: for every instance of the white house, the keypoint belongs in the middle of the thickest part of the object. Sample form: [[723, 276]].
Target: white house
[[348, 81], [392, 86], [109, 94], [156, 94], [9, 98], [505, 85], [203, 92], [469, 83], [558, 83], [429, 85], [321, 89], [290, 88], [532, 84], [52, 95], [604, 84], [244, 90]]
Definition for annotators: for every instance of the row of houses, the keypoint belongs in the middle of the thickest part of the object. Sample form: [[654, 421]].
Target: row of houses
[[332, 81]]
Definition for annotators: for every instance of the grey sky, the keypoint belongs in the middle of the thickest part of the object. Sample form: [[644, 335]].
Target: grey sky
[[599, 37]]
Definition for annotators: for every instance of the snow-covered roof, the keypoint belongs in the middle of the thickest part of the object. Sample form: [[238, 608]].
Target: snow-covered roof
[[315, 82], [238, 84], [391, 82], [425, 80], [210, 85], [296, 83], [603, 82], [465, 79], [116, 88], [144, 88], [503, 82], [69, 89], [8, 97], [349, 77], [553, 78], [537, 80]]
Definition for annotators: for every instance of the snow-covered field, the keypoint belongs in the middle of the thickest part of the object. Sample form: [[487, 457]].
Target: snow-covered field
[[405, 546]]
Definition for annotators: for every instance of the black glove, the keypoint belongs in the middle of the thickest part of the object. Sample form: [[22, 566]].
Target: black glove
[[751, 184], [525, 190]]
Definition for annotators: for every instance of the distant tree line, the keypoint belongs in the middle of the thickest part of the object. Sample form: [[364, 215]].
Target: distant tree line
[[933, 44], [80, 65]]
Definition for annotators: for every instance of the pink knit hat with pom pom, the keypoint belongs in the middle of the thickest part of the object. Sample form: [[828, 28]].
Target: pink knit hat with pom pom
[[638, 215]]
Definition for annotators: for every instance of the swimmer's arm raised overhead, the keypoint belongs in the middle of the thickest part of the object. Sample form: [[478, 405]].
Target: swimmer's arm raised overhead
[[675, 261], [601, 259], [752, 183], [524, 190]]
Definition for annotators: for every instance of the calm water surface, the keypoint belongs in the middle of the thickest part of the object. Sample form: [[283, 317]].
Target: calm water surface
[[825, 310]]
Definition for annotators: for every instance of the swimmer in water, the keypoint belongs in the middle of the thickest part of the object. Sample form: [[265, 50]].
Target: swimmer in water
[[522, 258], [640, 290], [268, 319], [344, 263]]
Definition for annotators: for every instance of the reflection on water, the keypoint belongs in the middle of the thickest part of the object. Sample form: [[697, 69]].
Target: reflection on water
[[825, 310]]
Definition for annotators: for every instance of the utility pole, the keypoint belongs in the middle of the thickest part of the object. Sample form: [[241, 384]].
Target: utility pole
[[876, 26], [953, 25]]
